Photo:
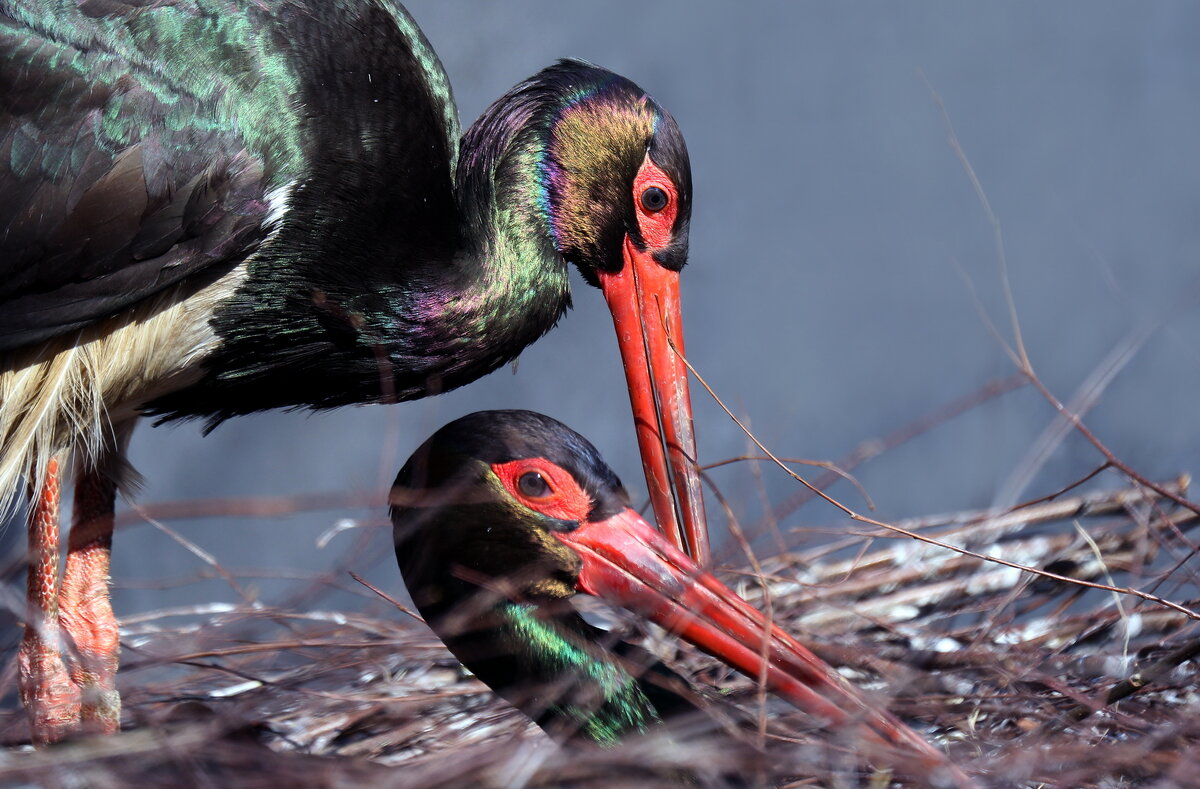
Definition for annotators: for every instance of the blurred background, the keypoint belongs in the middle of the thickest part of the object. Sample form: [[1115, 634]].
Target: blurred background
[[836, 240]]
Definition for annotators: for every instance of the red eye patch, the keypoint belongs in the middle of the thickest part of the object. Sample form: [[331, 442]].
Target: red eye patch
[[544, 487], [656, 225]]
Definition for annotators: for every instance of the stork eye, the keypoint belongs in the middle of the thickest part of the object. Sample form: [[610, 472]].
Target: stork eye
[[544, 486], [533, 484], [654, 199]]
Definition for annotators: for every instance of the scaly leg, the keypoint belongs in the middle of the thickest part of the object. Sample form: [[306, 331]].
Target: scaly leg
[[50, 696], [85, 608]]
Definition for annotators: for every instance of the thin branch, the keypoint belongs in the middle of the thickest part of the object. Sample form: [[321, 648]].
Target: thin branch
[[873, 447], [1112, 459], [829, 465], [993, 220], [1142, 679], [1065, 489], [253, 506], [400, 606], [200, 554], [930, 540]]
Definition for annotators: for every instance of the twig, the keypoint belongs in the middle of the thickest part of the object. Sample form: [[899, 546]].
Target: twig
[[200, 554], [872, 448], [399, 606], [1127, 687], [1024, 365], [850, 513], [253, 506]]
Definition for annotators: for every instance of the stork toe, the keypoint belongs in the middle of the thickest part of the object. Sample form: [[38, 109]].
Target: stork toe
[[85, 606], [47, 690]]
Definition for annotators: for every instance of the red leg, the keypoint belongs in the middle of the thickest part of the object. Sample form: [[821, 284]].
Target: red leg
[[85, 608], [50, 696]]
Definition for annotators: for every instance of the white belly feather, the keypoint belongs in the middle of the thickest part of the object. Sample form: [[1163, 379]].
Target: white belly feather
[[81, 392]]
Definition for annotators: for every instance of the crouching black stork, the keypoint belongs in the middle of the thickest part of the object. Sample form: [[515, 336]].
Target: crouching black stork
[[502, 516], [214, 207]]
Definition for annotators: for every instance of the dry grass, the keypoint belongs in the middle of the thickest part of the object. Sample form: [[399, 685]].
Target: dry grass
[[1010, 673]]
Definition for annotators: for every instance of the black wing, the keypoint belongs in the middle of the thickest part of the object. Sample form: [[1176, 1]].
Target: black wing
[[121, 173]]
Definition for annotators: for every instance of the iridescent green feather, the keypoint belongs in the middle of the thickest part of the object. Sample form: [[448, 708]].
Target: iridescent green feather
[[435, 75], [625, 709], [209, 68]]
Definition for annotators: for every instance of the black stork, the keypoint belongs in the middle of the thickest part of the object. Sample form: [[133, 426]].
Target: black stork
[[502, 516], [214, 207]]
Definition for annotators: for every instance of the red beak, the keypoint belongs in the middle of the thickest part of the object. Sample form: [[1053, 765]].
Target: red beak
[[627, 562], [644, 300]]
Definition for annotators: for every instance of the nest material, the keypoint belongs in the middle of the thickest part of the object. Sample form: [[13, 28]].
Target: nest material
[[1023, 680]]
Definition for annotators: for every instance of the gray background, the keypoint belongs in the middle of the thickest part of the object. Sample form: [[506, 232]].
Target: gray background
[[825, 298]]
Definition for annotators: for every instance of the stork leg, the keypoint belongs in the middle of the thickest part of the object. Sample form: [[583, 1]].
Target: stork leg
[[85, 608], [47, 691]]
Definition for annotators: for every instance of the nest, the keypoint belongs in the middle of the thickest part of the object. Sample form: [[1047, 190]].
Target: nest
[[1023, 679]]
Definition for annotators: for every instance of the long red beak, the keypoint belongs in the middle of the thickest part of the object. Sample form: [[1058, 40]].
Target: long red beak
[[628, 562], [644, 300]]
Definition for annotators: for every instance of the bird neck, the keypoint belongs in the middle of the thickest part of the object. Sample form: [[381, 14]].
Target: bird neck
[[374, 289], [486, 585], [507, 285], [508, 252], [553, 669]]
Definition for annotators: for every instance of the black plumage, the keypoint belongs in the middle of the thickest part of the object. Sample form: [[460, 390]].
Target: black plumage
[[214, 207]]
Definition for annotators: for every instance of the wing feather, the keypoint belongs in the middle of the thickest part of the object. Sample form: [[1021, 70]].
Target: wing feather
[[120, 173]]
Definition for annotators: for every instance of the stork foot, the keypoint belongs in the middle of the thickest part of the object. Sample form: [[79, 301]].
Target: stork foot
[[79, 693], [86, 615], [48, 692], [85, 607]]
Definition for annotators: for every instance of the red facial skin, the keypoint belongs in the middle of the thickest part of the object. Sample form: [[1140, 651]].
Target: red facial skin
[[563, 499], [629, 563]]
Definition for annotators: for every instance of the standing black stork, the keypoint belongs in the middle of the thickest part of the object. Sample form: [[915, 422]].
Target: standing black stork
[[214, 207], [501, 516]]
